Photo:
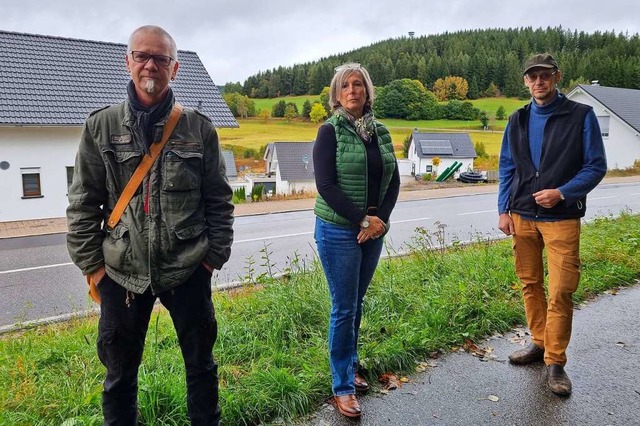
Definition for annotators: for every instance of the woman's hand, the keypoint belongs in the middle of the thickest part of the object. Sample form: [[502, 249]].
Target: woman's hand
[[374, 231]]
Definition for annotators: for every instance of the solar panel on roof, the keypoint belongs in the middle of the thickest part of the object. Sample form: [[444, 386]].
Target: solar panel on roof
[[436, 147]]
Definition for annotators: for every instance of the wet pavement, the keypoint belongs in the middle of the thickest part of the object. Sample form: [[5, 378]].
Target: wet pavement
[[463, 389]]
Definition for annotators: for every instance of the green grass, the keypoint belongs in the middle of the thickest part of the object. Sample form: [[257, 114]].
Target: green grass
[[491, 105], [298, 100], [272, 339], [255, 133]]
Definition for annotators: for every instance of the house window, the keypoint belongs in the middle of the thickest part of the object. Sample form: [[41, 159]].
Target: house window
[[603, 121], [31, 182], [69, 177], [429, 168]]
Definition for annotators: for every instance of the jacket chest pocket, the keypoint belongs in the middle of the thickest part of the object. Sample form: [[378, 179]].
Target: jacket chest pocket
[[182, 170], [121, 165]]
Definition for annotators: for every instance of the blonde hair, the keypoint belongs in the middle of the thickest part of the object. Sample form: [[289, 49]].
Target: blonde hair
[[343, 72]]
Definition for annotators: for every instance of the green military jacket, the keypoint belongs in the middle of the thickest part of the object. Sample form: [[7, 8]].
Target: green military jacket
[[180, 216], [351, 167]]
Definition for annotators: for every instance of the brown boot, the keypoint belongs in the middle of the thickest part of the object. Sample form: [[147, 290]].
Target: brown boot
[[531, 353], [360, 383], [558, 380], [348, 405]]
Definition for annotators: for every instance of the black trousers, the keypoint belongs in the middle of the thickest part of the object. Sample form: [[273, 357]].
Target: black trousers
[[122, 330]]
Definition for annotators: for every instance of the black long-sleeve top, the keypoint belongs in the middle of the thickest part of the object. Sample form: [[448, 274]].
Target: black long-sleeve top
[[324, 163]]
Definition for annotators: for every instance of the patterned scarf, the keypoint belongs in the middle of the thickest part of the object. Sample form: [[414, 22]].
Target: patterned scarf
[[364, 126], [147, 117]]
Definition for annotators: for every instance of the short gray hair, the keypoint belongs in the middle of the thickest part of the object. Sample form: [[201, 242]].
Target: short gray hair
[[343, 72], [157, 30]]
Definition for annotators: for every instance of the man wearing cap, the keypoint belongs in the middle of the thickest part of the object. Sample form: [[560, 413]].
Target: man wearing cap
[[552, 156]]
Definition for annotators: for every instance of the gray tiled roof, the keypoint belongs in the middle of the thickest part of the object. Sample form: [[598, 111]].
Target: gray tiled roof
[[295, 160], [448, 145], [47, 80], [230, 162], [625, 103]]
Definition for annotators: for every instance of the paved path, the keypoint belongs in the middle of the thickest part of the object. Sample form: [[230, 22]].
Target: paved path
[[462, 389]]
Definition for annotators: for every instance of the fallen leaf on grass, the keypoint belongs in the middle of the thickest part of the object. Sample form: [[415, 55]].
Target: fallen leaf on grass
[[469, 346]]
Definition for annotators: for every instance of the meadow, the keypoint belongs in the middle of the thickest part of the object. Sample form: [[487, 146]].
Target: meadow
[[254, 133]]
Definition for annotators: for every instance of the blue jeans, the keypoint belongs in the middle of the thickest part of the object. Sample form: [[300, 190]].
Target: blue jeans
[[349, 267]]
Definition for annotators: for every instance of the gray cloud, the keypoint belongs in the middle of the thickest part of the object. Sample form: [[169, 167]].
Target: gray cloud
[[236, 39]]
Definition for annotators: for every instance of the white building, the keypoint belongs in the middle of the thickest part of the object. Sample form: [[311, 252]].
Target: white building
[[292, 165], [48, 86], [618, 112], [448, 147]]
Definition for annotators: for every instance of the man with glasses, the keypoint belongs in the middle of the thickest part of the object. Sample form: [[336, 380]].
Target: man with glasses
[[175, 230], [552, 156]]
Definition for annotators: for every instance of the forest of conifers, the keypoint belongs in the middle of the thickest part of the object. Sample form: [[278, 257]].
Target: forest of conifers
[[481, 57]]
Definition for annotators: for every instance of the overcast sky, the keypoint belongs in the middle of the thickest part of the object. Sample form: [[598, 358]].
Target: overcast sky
[[236, 39]]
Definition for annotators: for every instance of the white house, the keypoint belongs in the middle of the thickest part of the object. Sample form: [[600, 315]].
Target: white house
[[448, 147], [292, 164], [618, 112], [48, 86]]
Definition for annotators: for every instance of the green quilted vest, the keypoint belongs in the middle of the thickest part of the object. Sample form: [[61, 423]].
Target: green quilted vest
[[351, 166]]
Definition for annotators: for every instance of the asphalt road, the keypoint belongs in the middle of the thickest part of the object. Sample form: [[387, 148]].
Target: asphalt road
[[462, 389], [38, 281]]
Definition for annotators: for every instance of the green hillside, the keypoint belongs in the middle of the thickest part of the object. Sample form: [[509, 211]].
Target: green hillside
[[482, 57]]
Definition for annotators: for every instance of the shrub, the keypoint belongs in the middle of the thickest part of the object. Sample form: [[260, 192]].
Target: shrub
[[257, 192], [239, 195]]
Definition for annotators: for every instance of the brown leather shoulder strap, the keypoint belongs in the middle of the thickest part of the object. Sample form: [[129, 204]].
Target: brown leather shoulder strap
[[144, 167]]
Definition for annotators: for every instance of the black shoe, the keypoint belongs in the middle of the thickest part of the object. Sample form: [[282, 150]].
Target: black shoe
[[531, 353], [558, 380]]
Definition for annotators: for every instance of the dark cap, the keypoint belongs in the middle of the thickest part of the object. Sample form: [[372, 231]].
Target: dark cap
[[543, 60]]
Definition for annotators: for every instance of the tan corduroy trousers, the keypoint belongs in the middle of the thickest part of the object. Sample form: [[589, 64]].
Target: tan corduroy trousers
[[549, 318]]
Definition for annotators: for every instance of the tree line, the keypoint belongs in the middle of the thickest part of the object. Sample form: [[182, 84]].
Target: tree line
[[490, 61]]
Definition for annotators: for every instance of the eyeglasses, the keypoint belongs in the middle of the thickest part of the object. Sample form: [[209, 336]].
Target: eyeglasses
[[544, 76], [143, 58], [349, 66]]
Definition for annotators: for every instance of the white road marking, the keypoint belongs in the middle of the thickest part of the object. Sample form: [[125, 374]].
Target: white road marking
[[478, 212], [410, 220], [602, 198], [273, 237], [11, 271]]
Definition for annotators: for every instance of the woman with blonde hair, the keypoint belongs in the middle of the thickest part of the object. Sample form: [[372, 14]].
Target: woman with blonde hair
[[358, 184]]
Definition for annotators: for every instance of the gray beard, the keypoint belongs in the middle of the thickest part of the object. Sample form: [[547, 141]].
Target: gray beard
[[150, 88]]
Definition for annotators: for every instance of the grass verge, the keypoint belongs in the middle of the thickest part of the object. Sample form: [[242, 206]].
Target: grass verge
[[272, 339]]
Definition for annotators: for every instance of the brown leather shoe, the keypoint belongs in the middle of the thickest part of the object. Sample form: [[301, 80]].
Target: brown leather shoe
[[360, 383], [531, 353], [558, 380], [348, 405]]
